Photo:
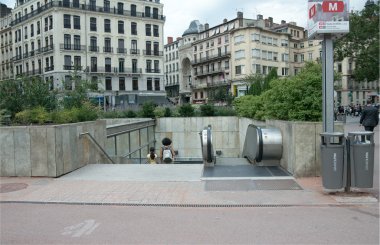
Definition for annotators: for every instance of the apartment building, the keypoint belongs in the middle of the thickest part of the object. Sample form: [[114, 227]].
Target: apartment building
[[6, 55], [172, 68], [117, 43], [223, 55]]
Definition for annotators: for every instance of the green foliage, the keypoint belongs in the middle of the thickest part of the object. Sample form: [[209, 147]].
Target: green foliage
[[295, 98], [224, 111], [130, 114], [159, 112], [148, 109], [36, 115], [362, 43], [186, 110], [27, 93], [87, 112], [207, 110], [168, 112], [220, 94], [259, 83]]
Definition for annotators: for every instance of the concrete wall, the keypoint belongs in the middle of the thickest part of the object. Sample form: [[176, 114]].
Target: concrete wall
[[301, 141], [49, 151], [184, 133]]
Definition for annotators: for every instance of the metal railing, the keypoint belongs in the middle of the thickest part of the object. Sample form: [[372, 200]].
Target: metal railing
[[93, 140]]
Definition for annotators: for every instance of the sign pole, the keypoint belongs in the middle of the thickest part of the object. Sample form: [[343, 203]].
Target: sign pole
[[328, 84]]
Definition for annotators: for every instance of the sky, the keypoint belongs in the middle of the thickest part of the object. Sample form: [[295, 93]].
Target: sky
[[180, 13]]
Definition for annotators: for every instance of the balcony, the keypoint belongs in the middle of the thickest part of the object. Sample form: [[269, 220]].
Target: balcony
[[134, 51], [93, 48], [75, 47], [48, 48], [217, 83], [72, 68], [152, 70], [212, 58], [210, 72], [153, 53], [127, 71], [121, 50], [107, 49], [85, 7], [49, 68]]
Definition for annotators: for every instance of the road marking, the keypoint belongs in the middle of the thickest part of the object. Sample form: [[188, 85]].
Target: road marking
[[84, 228]]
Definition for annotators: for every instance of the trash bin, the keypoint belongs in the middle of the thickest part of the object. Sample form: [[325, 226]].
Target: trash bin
[[333, 160], [361, 158]]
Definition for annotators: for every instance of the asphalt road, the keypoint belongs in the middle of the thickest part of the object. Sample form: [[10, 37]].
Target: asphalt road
[[79, 224]]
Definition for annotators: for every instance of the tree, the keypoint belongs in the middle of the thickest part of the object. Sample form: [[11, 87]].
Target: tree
[[294, 98], [362, 43], [259, 83]]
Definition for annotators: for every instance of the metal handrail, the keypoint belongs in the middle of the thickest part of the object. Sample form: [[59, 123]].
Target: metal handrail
[[141, 147], [97, 144]]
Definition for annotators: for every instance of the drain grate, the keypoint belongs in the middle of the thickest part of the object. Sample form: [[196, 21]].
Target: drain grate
[[251, 185], [10, 187]]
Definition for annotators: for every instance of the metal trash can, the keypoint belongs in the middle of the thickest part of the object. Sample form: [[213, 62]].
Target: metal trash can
[[333, 160], [361, 158]]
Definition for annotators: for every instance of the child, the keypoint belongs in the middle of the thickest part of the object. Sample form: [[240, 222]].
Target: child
[[152, 156], [167, 152]]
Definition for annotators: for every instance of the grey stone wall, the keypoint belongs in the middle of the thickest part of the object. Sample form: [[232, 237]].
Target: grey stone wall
[[184, 133], [51, 150]]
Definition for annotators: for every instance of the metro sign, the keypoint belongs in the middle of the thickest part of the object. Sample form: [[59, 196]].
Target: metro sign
[[333, 6], [312, 11]]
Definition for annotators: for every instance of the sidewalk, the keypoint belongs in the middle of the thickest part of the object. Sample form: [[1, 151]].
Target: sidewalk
[[73, 189]]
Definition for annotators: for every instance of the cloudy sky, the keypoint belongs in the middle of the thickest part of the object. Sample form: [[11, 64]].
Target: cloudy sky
[[180, 13]]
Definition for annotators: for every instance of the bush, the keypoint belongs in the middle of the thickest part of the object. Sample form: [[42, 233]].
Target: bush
[[148, 110], [207, 110], [159, 112], [87, 112], [130, 114], [186, 110], [168, 112], [36, 115], [225, 111]]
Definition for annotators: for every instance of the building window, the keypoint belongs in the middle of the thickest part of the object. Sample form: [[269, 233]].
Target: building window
[[155, 13], [121, 64], [120, 27], [122, 83], [77, 63], [240, 54], [239, 39], [107, 25], [93, 44], [108, 83], [155, 31], [38, 27], [77, 42], [120, 46], [147, 11], [239, 70], [76, 3], [92, 24], [108, 65], [148, 30], [67, 41], [94, 64], [157, 84], [106, 6], [133, 10], [134, 47], [67, 62], [31, 30], [149, 84], [120, 8], [107, 45], [134, 66], [133, 28], [285, 71], [135, 83], [67, 21], [76, 20]]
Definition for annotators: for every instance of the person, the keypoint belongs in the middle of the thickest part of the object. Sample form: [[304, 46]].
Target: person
[[152, 156], [370, 117], [167, 153]]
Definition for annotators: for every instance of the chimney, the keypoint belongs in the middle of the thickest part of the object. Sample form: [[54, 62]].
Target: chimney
[[207, 26], [259, 17], [266, 22], [240, 15], [283, 22], [225, 21], [170, 40], [270, 19]]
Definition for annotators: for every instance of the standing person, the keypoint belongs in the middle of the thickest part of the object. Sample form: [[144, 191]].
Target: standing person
[[167, 153], [370, 117], [152, 156]]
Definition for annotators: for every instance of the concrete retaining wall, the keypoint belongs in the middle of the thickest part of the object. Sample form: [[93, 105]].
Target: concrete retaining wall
[[184, 133], [49, 151]]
